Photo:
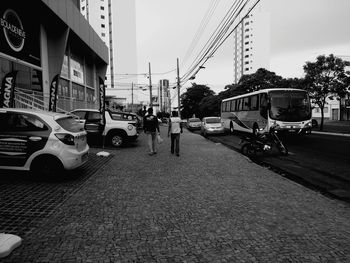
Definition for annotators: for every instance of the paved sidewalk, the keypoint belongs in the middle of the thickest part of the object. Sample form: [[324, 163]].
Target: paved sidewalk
[[334, 127], [211, 204]]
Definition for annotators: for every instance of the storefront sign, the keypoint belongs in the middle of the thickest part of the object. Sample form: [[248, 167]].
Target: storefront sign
[[19, 31], [155, 101], [53, 93], [7, 92], [102, 94], [76, 71], [102, 91], [13, 30]]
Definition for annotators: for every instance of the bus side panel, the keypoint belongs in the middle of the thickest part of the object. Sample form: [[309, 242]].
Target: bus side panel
[[244, 121], [226, 118]]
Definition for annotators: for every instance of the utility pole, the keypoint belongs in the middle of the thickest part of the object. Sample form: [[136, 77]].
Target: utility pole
[[178, 88], [160, 95], [132, 96], [169, 99], [150, 85]]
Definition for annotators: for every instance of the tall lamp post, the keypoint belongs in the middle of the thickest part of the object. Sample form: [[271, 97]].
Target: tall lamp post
[[178, 88], [150, 86]]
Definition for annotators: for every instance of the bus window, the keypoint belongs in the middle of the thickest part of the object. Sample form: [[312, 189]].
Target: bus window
[[238, 104], [223, 106], [246, 104], [241, 104], [233, 105], [227, 108], [263, 105], [254, 103]]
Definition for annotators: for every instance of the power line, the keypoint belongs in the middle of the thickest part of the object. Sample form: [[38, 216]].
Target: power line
[[142, 74], [204, 22], [218, 34]]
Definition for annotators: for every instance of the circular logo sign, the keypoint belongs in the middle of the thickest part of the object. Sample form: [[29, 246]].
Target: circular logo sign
[[13, 30]]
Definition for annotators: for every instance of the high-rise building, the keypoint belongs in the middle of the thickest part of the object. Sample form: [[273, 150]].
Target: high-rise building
[[115, 22], [164, 96], [251, 49]]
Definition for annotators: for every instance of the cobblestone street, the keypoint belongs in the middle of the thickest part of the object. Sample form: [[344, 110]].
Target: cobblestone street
[[211, 204]]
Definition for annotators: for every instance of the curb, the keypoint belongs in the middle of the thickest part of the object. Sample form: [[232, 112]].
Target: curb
[[332, 133]]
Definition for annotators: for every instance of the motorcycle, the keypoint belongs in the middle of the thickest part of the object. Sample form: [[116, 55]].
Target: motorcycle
[[262, 144]]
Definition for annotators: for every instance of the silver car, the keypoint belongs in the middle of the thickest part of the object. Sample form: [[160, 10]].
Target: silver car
[[212, 125], [194, 124]]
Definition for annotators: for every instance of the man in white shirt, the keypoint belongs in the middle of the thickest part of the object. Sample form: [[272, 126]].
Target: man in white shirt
[[175, 128]]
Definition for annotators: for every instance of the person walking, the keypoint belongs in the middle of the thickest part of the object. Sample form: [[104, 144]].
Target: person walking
[[174, 130], [150, 127]]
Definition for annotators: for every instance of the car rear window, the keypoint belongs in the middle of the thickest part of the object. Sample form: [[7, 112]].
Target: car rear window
[[70, 124], [213, 120], [195, 120]]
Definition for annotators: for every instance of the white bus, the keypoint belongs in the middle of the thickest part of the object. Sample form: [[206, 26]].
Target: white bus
[[288, 110]]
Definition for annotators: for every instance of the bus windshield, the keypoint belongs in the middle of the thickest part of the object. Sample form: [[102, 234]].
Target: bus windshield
[[289, 105]]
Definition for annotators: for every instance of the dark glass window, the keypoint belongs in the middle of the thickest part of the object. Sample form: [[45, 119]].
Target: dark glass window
[[254, 103], [238, 104], [14, 121], [246, 103], [78, 91], [63, 88], [69, 124]]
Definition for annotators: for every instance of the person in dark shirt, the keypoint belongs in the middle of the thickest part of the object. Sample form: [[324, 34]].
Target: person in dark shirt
[[150, 127]]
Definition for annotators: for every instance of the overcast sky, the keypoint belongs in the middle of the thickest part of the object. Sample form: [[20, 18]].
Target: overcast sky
[[300, 31]]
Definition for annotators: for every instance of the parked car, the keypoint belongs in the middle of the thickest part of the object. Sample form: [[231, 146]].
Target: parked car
[[194, 124], [43, 142], [212, 125], [119, 129]]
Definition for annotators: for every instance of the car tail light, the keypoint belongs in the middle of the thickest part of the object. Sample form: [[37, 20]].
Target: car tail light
[[66, 138]]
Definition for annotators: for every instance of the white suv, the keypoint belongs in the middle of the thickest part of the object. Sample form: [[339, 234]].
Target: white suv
[[118, 129], [41, 141]]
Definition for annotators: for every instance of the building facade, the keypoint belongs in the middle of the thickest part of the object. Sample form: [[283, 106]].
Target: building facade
[[42, 39], [251, 44], [115, 22]]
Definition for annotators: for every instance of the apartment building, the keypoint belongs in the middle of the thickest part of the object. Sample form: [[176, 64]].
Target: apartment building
[[115, 22], [251, 48]]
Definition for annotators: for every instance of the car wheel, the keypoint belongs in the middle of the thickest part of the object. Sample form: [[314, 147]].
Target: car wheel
[[116, 140], [47, 167]]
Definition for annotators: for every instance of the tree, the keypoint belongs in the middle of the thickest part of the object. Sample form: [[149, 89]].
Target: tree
[[232, 90], [192, 97], [209, 106], [324, 77], [261, 79]]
